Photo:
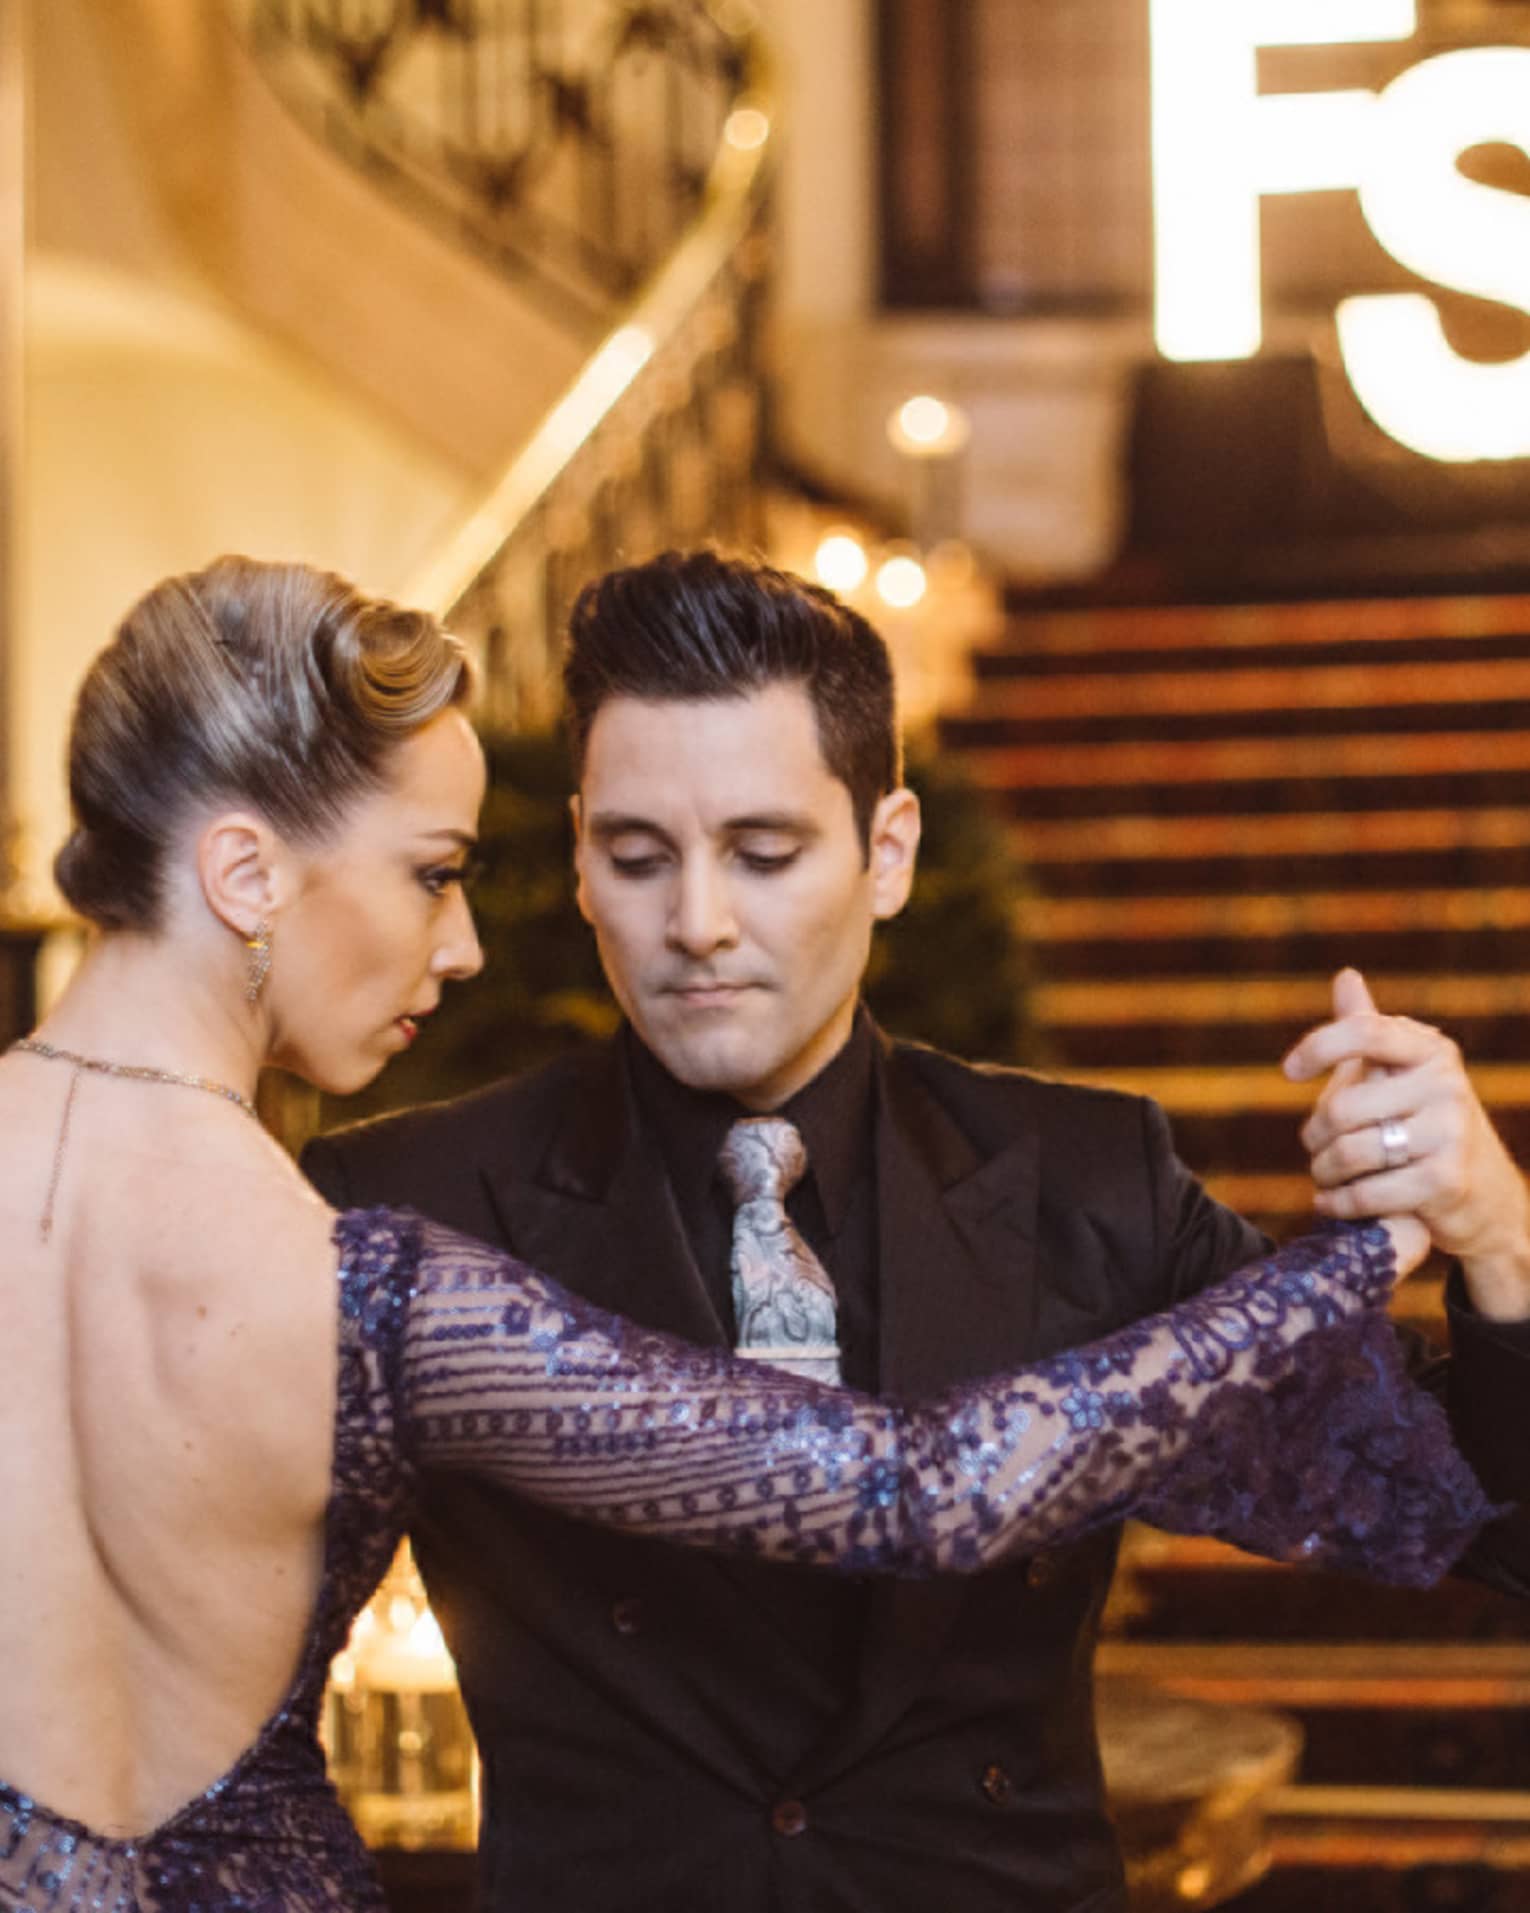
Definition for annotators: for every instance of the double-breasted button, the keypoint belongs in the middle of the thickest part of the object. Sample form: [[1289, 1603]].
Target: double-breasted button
[[627, 1615], [789, 1818], [996, 1784], [1040, 1571]]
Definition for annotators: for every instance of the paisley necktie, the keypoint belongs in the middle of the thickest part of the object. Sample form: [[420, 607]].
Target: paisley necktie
[[783, 1300]]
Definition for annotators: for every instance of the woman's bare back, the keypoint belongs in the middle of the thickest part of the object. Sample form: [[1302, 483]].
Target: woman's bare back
[[167, 1388]]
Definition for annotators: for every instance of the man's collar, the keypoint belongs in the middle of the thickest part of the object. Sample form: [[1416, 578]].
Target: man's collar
[[833, 1112]]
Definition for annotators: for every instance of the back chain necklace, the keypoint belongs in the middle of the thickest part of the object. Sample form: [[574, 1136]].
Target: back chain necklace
[[127, 1072]]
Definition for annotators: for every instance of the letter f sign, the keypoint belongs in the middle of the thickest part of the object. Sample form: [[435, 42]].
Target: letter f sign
[[1219, 147]]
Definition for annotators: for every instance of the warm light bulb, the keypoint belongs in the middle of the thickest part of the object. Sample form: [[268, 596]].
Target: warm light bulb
[[841, 561], [747, 129], [924, 419], [425, 1640], [927, 427], [901, 582]]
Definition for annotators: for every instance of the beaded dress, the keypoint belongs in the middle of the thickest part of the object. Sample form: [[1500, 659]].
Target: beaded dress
[[1272, 1410]]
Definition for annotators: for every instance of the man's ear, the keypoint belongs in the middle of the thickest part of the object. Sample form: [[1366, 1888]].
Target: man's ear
[[895, 828], [576, 817], [242, 870]]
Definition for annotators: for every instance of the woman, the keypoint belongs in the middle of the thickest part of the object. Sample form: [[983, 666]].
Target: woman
[[275, 792]]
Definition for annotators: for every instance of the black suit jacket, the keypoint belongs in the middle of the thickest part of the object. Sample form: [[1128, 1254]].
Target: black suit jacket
[[654, 1740]]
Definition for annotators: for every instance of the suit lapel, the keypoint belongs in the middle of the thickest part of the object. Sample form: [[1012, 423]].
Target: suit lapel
[[596, 1211], [956, 1231], [956, 1234]]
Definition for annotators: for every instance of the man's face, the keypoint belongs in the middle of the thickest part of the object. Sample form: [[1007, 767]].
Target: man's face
[[721, 869]]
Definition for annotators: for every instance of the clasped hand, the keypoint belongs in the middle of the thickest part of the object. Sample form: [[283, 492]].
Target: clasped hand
[[1398, 1130]]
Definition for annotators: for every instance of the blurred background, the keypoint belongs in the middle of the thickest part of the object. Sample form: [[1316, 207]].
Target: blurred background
[[1154, 373]]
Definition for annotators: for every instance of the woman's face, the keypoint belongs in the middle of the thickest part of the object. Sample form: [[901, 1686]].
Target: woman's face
[[378, 922]]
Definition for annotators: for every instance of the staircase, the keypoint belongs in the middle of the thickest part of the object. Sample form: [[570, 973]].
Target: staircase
[[1219, 806]]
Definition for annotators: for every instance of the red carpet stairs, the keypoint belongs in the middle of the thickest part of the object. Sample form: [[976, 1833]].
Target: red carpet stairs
[[1219, 806]]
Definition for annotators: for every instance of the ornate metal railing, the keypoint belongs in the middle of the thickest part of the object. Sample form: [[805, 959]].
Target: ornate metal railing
[[568, 140], [658, 439], [656, 443]]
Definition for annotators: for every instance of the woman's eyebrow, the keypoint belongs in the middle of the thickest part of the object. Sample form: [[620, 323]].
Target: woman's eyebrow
[[452, 835]]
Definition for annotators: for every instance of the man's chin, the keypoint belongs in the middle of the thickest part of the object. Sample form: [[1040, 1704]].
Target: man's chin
[[721, 1062]]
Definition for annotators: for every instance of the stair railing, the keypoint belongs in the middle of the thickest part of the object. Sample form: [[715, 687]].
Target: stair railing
[[657, 439], [570, 141], [655, 443]]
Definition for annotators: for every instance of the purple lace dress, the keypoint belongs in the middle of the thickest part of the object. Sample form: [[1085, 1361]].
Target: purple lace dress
[[1272, 1410]]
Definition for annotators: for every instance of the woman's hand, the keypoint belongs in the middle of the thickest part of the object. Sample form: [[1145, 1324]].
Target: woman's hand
[[1410, 1242]]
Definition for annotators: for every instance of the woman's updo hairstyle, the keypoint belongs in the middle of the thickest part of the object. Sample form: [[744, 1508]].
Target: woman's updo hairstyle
[[269, 685]]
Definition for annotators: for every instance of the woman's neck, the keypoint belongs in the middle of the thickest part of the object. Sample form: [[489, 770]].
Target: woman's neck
[[139, 999]]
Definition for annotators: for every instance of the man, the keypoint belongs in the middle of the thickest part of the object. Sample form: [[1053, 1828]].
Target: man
[[663, 1732]]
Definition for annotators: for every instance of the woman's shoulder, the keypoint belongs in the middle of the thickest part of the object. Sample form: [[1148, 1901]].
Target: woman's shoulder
[[397, 1246]]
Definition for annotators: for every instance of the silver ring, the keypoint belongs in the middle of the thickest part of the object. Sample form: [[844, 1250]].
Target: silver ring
[[1396, 1148]]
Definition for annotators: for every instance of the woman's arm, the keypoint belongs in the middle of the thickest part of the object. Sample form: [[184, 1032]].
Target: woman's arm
[[1271, 1409]]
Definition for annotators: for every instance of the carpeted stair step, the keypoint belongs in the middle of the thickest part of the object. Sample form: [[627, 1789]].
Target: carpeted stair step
[[1156, 855], [1219, 762], [1463, 786], [1383, 1711], [1018, 658], [1225, 631], [1219, 1019], [1291, 700], [1443, 931]]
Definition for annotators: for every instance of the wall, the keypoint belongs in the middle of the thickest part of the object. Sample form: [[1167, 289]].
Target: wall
[[235, 342], [1047, 398], [160, 146], [162, 432]]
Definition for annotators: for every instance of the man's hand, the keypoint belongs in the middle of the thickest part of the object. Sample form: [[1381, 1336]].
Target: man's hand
[[1398, 1129]]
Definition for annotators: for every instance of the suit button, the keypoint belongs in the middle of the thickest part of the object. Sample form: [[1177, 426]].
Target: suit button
[[1040, 1571], [996, 1784], [789, 1818], [627, 1616]]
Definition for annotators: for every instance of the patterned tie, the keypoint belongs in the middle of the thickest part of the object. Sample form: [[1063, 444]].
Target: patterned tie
[[782, 1296]]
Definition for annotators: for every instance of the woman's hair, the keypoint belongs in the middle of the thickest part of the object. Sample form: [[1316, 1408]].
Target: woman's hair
[[269, 685]]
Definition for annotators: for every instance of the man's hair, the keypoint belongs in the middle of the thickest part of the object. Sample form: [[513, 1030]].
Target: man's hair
[[695, 625]]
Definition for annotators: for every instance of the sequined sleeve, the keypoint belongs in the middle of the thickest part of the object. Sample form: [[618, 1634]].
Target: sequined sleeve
[[1272, 1410]]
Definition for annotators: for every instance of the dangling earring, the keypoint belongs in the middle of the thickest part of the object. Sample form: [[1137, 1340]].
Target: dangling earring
[[259, 946]]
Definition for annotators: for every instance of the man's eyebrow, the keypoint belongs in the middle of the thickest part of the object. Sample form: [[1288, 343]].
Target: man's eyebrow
[[605, 824], [795, 822], [617, 823]]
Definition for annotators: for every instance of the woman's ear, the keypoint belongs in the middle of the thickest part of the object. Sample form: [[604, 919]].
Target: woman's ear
[[895, 828], [241, 870]]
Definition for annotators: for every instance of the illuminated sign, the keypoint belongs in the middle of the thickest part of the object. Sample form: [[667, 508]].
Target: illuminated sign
[[1219, 147]]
